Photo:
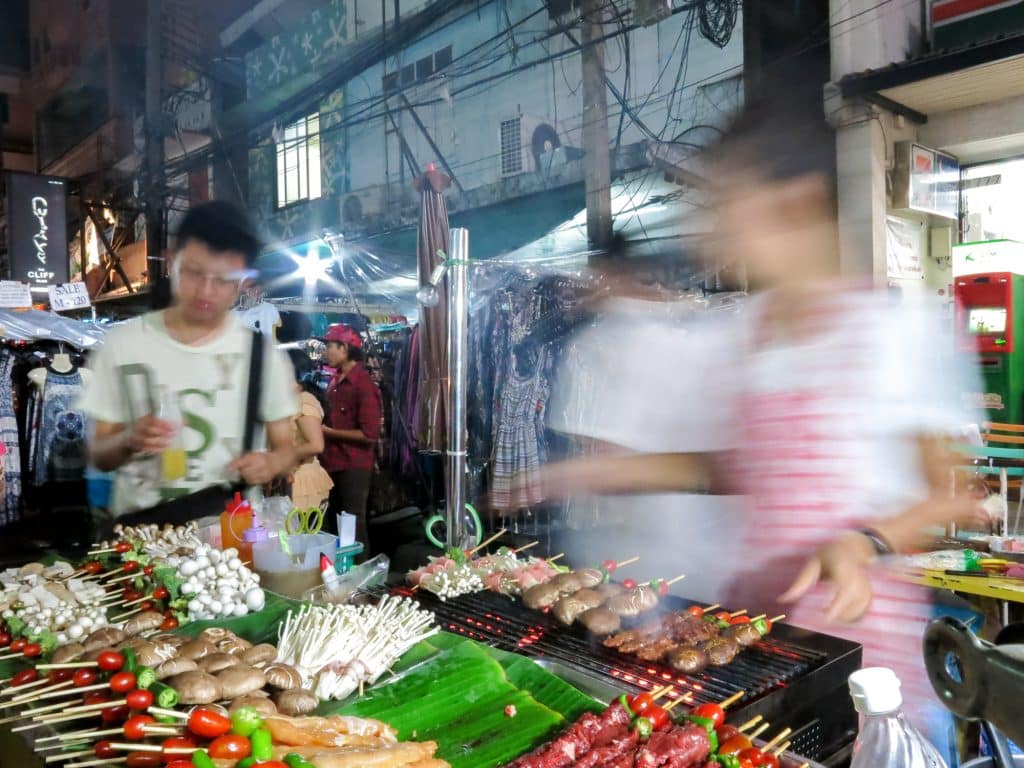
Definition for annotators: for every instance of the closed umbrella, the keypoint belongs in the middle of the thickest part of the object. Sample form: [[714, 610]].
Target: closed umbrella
[[432, 240]]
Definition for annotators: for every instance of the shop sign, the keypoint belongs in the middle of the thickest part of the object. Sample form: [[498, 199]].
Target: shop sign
[[961, 22], [69, 296], [988, 256], [904, 248], [926, 181], [37, 229], [15, 295]]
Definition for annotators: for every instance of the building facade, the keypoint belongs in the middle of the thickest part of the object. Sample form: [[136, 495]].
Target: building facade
[[350, 104], [925, 98]]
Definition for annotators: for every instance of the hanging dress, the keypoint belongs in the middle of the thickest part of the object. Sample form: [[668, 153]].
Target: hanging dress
[[61, 453], [10, 511]]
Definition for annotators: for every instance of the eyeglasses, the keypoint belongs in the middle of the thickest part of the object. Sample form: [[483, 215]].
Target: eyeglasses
[[221, 281]]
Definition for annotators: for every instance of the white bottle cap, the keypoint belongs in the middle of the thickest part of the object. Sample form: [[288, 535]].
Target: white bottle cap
[[875, 691]]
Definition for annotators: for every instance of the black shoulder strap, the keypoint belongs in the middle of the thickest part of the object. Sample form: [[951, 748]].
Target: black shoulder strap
[[252, 403]]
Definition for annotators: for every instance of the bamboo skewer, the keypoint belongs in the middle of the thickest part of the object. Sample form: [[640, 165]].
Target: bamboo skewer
[[779, 737], [734, 614], [677, 579], [107, 761], [777, 619], [79, 713], [69, 756], [491, 540], [163, 730], [91, 707], [126, 577], [750, 723], [154, 748], [28, 727], [68, 665], [686, 698], [759, 730], [657, 693], [101, 551], [59, 689], [168, 713], [88, 734], [525, 547], [630, 561], [21, 688], [732, 699], [123, 616], [85, 733], [782, 748], [23, 715], [559, 556]]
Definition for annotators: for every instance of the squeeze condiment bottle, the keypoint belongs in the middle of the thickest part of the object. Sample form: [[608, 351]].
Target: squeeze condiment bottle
[[234, 521], [253, 535]]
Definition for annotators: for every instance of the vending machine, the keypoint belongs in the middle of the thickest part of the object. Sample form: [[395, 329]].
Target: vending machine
[[990, 323]]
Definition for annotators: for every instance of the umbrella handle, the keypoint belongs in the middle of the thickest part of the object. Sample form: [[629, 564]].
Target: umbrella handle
[[472, 518]]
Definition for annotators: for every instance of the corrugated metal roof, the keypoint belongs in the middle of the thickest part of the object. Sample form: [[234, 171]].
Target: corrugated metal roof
[[945, 80]]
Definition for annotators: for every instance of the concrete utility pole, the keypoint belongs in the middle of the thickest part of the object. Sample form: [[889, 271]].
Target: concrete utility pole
[[597, 162], [154, 176]]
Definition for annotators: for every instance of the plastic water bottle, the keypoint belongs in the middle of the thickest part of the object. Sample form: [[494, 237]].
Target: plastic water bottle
[[886, 737], [173, 460]]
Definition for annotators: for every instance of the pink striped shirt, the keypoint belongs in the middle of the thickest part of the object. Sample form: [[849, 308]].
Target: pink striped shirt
[[826, 441]]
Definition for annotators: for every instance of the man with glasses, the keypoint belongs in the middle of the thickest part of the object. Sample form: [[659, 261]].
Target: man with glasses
[[177, 382]]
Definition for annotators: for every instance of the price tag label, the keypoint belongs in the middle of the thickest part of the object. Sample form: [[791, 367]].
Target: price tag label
[[15, 295], [68, 296]]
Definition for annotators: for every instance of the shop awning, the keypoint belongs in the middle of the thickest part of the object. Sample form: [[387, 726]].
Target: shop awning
[[944, 80]]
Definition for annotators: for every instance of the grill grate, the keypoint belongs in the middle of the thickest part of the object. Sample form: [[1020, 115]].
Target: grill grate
[[496, 620]]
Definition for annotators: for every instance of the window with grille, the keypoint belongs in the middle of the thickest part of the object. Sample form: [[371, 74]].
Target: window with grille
[[511, 147], [422, 70], [298, 161]]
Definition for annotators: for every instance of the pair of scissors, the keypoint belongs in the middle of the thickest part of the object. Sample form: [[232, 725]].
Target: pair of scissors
[[304, 521]]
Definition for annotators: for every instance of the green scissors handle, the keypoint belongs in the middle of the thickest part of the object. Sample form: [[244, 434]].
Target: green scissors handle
[[472, 518], [301, 521]]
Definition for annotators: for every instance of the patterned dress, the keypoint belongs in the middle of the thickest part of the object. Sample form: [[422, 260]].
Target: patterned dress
[[10, 510]]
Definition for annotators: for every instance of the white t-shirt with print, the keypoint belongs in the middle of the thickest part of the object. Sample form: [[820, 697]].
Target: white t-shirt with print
[[139, 361], [263, 317]]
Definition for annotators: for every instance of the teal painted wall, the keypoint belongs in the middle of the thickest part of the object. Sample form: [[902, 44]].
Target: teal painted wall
[[311, 48]]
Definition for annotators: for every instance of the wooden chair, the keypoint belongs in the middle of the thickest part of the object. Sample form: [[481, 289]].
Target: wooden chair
[[997, 426], [1002, 464]]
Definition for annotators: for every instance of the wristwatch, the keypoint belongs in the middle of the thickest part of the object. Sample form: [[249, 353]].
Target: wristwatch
[[881, 546]]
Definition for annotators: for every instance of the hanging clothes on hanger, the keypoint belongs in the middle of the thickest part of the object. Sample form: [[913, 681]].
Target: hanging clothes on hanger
[[60, 453], [10, 511]]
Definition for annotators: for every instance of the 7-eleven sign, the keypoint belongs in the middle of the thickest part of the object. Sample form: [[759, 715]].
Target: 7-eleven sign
[[959, 22]]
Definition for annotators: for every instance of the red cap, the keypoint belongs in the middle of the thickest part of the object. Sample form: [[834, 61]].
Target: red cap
[[342, 334]]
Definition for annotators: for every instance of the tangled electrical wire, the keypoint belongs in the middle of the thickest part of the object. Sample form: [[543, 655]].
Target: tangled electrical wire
[[718, 20]]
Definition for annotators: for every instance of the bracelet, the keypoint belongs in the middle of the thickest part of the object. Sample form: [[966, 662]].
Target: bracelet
[[882, 547]]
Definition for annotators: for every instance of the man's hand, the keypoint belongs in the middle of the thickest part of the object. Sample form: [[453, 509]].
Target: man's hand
[[845, 563], [150, 435], [258, 468]]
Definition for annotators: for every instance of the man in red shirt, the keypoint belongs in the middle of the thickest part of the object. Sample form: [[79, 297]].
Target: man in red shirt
[[352, 426]]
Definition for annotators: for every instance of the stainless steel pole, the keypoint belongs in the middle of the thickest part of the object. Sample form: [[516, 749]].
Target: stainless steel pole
[[458, 354]]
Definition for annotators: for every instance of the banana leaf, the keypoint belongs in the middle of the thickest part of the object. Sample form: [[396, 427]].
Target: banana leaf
[[457, 694]]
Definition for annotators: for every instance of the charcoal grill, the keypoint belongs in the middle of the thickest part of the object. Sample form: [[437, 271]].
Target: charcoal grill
[[794, 678]]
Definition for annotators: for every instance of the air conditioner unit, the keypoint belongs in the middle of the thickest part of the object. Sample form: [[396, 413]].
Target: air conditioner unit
[[355, 208], [523, 140]]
